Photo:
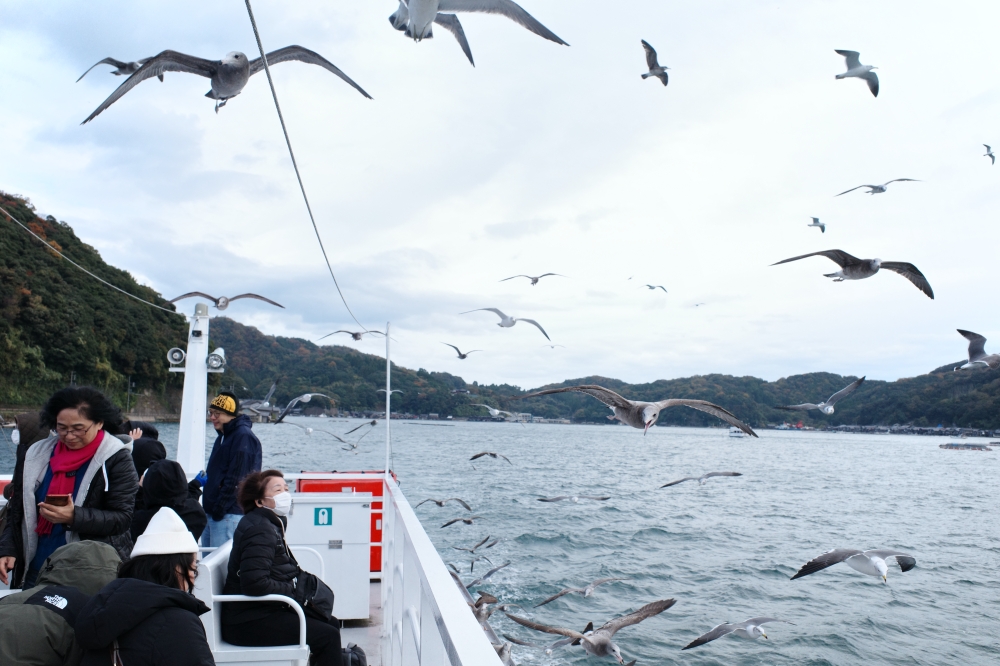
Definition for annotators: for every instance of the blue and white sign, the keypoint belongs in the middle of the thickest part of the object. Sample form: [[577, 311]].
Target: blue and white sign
[[322, 515]]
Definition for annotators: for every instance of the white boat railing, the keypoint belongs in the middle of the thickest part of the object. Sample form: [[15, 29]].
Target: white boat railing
[[425, 619]]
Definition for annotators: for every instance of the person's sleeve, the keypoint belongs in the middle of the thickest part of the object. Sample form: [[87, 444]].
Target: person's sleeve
[[185, 634], [15, 509], [259, 544], [115, 515]]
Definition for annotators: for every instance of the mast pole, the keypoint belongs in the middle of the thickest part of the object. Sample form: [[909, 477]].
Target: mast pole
[[388, 398]]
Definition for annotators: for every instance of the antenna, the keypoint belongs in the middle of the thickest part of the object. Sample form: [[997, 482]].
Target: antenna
[[388, 398]]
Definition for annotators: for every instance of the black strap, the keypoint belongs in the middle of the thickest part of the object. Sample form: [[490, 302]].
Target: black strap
[[62, 600]]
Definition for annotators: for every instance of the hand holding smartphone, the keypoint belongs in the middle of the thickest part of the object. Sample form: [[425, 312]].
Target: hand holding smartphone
[[57, 500]]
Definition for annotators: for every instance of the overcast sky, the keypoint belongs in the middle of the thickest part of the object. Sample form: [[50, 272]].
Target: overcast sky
[[541, 158]]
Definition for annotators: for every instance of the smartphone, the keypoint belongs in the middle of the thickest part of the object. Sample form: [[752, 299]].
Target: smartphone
[[57, 500]]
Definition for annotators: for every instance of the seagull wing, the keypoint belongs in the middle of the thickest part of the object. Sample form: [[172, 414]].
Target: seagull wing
[[977, 345], [804, 407], [853, 188], [480, 455], [335, 333], [649, 610], [988, 149], [505, 8], [708, 408], [452, 522], [711, 474], [258, 297], [557, 498], [563, 593], [569, 633], [674, 483], [460, 501], [494, 570], [450, 23], [757, 621], [911, 273], [548, 274], [901, 180], [651, 61], [336, 437], [844, 392], [597, 498], [119, 64], [368, 423], [506, 458], [303, 54], [493, 310], [166, 61], [717, 632], [453, 347], [838, 257], [515, 276], [602, 581], [425, 502], [538, 326], [853, 58], [195, 293], [872, 79], [825, 560], [607, 396], [905, 562]]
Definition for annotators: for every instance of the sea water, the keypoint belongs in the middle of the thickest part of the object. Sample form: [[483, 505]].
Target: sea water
[[725, 550]]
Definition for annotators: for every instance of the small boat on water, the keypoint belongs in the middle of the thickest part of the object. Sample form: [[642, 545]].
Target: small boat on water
[[967, 446], [736, 432]]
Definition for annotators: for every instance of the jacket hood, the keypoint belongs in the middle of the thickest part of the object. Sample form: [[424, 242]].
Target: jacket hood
[[125, 603], [165, 484], [86, 565], [146, 451], [235, 424]]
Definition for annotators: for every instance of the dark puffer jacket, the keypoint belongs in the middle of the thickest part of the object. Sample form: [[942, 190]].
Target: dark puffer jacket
[[154, 625], [235, 454], [165, 485], [260, 563]]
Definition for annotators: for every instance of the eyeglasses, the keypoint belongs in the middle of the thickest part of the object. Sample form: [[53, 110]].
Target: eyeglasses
[[73, 431]]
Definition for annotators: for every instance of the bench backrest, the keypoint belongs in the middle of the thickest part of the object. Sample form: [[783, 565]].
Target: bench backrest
[[212, 571]]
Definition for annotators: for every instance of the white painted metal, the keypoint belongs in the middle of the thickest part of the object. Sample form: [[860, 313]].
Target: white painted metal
[[388, 399], [191, 434]]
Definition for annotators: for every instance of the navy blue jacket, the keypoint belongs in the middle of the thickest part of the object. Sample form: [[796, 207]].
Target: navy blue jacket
[[235, 454]]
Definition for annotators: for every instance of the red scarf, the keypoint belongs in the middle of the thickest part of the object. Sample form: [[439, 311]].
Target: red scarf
[[65, 460]]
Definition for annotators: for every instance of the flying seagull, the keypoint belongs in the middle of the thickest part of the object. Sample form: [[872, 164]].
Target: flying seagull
[[305, 397], [441, 503], [827, 406], [228, 76], [508, 322], [372, 423], [554, 346], [482, 544], [654, 287], [977, 352], [575, 498], [461, 356], [120, 68], [857, 70], [491, 455], [599, 642], [487, 575], [355, 335], [700, 479], [585, 591], [869, 562], [534, 280], [477, 558], [816, 223], [655, 69], [222, 302], [467, 521], [989, 151], [853, 268], [310, 431], [641, 414], [748, 629], [879, 189], [401, 18], [486, 605], [493, 412]]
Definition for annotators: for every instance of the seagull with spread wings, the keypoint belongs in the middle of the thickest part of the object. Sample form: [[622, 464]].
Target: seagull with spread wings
[[467, 521], [228, 76], [120, 68], [641, 414], [977, 352], [305, 397], [655, 69], [222, 302], [747, 629], [534, 279], [461, 356], [482, 544], [654, 287], [868, 562], [856, 70], [700, 479], [508, 322], [853, 268], [441, 503], [575, 498], [827, 406], [487, 575], [491, 455], [879, 189], [585, 591], [355, 335], [819, 225], [989, 151], [600, 642], [310, 431], [495, 413]]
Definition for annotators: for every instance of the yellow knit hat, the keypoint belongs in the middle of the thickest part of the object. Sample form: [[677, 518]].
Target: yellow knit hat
[[226, 402]]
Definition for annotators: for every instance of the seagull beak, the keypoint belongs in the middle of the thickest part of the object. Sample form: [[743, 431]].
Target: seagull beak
[[646, 429], [764, 635], [885, 580]]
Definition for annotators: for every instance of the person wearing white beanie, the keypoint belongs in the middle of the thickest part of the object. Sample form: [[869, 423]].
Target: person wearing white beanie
[[166, 534]]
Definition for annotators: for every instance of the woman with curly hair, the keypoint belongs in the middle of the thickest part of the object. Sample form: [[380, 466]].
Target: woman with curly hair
[[78, 484]]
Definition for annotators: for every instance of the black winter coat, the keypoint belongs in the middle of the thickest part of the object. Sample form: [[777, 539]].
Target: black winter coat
[[154, 625], [260, 563], [166, 485], [235, 454]]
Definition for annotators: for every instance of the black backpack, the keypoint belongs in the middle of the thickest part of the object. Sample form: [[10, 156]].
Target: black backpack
[[354, 656]]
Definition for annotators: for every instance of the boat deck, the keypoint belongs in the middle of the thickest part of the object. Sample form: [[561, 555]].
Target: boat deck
[[366, 632]]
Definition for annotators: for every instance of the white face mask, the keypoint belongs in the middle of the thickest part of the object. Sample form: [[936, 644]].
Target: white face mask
[[282, 503], [15, 437]]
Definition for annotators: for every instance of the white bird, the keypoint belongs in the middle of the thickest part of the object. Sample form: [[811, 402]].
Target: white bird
[[879, 189], [441, 503], [654, 287], [461, 356], [534, 279], [223, 302], [853, 268], [495, 456], [585, 591], [977, 352], [355, 335], [700, 479], [856, 70], [575, 498], [120, 68], [482, 544], [401, 19], [228, 76], [508, 322], [467, 521], [655, 69], [495, 413], [869, 562], [310, 431], [748, 629], [305, 397], [989, 152], [816, 223], [827, 406], [487, 575]]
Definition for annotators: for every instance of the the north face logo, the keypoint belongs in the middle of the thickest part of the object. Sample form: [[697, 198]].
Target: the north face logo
[[57, 601]]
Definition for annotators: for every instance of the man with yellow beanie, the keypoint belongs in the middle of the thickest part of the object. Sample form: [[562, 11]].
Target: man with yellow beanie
[[235, 454]]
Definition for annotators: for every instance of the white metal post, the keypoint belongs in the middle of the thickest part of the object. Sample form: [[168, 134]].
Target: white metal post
[[191, 435], [388, 399]]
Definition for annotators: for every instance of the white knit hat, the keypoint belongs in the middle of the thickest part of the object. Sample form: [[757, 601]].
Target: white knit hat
[[166, 534]]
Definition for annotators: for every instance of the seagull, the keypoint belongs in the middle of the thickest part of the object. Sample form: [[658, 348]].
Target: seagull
[[857, 70], [575, 498], [853, 268], [599, 642], [977, 352], [869, 562], [989, 151], [491, 455], [816, 223], [222, 302], [507, 322], [467, 521], [305, 397], [482, 608], [534, 280], [700, 479], [476, 559], [487, 575], [493, 412], [827, 407], [554, 346], [310, 431], [372, 423], [354, 334], [441, 503], [654, 287], [879, 189], [228, 76], [482, 544], [748, 629], [641, 414], [401, 18], [461, 356], [654, 67], [585, 591], [120, 68]]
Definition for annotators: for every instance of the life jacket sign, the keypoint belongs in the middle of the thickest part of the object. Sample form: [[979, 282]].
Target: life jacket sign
[[322, 515]]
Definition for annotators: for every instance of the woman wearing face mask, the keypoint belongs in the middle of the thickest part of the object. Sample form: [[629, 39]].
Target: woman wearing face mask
[[261, 563], [148, 614]]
